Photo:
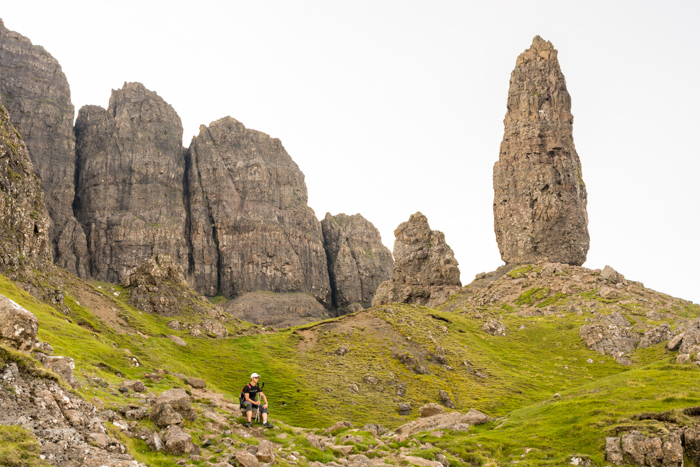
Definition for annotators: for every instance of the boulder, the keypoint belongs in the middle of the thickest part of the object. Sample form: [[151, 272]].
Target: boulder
[[163, 414], [134, 385], [440, 421], [177, 340], [63, 366], [539, 203], [431, 409], [196, 383], [214, 328], [357, 260], [446, 401], [178, 442], [179, 400], [691, 337], [404, 409], [425, 269], [266, 452], [475, 417], [608, 274], [18, 326], [675, 342], [495, 328], [246, 459]]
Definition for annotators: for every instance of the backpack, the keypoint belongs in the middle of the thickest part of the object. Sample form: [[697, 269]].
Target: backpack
[[241, 398]]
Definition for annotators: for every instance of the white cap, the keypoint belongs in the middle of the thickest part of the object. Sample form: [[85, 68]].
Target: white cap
[[254, 375]]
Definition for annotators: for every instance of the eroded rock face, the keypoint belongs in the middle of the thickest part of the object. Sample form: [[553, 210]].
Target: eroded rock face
[[24, 222], [611, 335], [251, 228], [130, 181], [647, 451], [36, 94], [425, 269], [357, 260], [540, 199]]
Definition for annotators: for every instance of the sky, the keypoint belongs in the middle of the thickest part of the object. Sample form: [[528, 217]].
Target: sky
[[393, 107]]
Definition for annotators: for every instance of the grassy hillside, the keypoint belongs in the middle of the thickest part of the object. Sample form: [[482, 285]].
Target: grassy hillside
[[551, 396]]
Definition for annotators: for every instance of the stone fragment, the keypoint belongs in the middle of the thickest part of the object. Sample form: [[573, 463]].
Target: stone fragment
[[425, 270], [266, 452], [164, 415], [675, 342], [178, 442], [475, 417], [421, 462], [196, 383], [129, 189], [404, 409], [682, 358], [177, 340], [431, 409], [246, 459], [342, 449], [495, 328], [607, 292], [37, 96], [134, 385], [446, 401], [214, 328], [540, 199], [63, 366], [358, 261], [18, 326], [440, 421], [250, 226], [178, 400], [608, 274]]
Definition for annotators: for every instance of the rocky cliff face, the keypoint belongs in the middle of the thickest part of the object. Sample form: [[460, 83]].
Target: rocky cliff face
[[540, 199], [24, 222], [357, 260], [36, 93], [425, 269], [250, 226], [130, 181]]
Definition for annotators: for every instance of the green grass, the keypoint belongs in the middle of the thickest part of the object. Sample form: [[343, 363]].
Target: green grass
[[19, 448], [308, 385]]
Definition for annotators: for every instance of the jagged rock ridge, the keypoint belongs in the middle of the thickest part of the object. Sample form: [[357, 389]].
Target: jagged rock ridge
[[250, 225], [540, 199], [129, 185], [425, 269], [357, 260], [35, 91]]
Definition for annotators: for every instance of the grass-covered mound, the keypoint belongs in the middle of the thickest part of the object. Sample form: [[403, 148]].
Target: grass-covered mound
[[551, 396]]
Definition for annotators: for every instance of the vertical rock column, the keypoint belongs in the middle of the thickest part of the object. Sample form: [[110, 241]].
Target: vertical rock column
[[36, 94], [357, 260], [539, 205], [250, 226], [130, 181]]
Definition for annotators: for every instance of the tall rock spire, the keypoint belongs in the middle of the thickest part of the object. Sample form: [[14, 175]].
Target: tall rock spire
[[539, 205]]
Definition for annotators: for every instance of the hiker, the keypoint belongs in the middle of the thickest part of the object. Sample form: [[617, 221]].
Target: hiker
[[250, 397]]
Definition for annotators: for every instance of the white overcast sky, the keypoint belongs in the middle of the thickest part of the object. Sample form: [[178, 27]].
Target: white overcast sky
[[393, 107]]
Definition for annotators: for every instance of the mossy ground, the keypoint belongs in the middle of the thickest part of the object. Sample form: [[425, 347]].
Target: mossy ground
[[513, 378]]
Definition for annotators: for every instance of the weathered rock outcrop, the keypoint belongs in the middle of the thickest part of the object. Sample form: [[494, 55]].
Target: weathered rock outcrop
[[158, 286], [250, 226], [279, 310], [18, 326], [130, 181], [611, 335], [24, 222], [357, 260], [425, 269], [540, 199], [36, 94]]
